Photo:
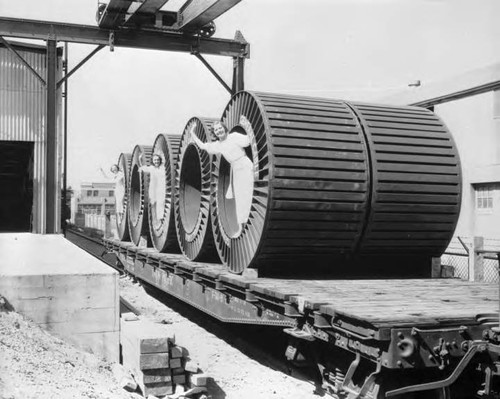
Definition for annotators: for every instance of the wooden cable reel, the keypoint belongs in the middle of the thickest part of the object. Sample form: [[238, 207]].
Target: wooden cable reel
[[323, 175], [124, 163], [416, 182], [192, 194], [162, 224], [137, 194]]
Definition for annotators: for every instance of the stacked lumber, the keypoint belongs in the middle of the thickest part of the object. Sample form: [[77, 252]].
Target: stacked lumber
[[145, 353], [159, 367]]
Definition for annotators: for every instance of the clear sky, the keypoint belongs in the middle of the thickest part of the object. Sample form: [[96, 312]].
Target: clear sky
[[349, 49]]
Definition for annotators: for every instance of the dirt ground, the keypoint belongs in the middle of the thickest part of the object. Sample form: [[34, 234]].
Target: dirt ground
[[35, 364], [238, 371]]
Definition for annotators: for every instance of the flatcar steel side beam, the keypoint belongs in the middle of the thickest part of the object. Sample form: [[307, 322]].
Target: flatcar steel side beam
[[223, 306], [86, 34]]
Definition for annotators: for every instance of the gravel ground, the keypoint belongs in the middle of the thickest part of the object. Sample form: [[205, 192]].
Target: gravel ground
[[238, 371], [35, 364]]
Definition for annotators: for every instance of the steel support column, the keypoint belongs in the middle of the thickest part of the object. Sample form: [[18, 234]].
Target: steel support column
[[65, 139], [52, 190], [238, 74], [239, 65]]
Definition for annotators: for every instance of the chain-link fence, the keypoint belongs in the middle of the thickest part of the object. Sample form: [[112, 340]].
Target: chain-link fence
[[491, 269], [459, 263], [457, 257]]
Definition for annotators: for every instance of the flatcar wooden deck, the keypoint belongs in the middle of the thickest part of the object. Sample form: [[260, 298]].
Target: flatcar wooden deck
[[381, 303], [391, 324]]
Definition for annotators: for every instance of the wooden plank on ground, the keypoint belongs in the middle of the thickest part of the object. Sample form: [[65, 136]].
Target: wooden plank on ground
[[142, 361]]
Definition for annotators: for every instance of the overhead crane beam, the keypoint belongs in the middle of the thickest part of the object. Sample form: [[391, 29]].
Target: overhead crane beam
[[114, 13], [120, 12], [151, 6], [148, 7], [151, 40], [197, 13]]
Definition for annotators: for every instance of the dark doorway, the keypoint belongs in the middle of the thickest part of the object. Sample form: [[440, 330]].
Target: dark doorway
[[16, 186]]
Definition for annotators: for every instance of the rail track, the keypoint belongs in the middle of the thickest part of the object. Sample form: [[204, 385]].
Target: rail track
[[263, 343], [95, 248]]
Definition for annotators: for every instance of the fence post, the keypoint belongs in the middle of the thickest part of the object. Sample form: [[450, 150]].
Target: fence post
[[476, 265], [436, 268], [107, 225]]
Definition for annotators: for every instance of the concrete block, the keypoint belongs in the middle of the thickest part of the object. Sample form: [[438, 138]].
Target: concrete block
[[103, 344], [74, 321], [63, 288]]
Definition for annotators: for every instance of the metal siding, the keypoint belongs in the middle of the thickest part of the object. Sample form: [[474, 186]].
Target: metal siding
[[23, 102]]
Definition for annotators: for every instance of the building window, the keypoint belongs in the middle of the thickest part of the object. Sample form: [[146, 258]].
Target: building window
[[111, 193], [484, 197], [89, 193], [96, 193]]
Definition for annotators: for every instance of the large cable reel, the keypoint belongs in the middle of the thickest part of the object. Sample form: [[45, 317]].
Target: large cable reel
[[162, 221], [124, 163], [137, 194], [322, 170], [192, 194]]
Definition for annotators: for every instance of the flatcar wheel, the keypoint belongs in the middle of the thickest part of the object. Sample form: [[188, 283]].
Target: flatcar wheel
[[124, 162], [162, 222], [192, 194], [137, 194]]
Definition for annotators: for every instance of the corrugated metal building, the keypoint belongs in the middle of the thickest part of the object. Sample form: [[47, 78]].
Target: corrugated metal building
[[23, 140]]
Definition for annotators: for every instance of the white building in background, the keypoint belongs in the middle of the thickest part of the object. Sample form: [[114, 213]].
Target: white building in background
[[470, 107], [95, 198]]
